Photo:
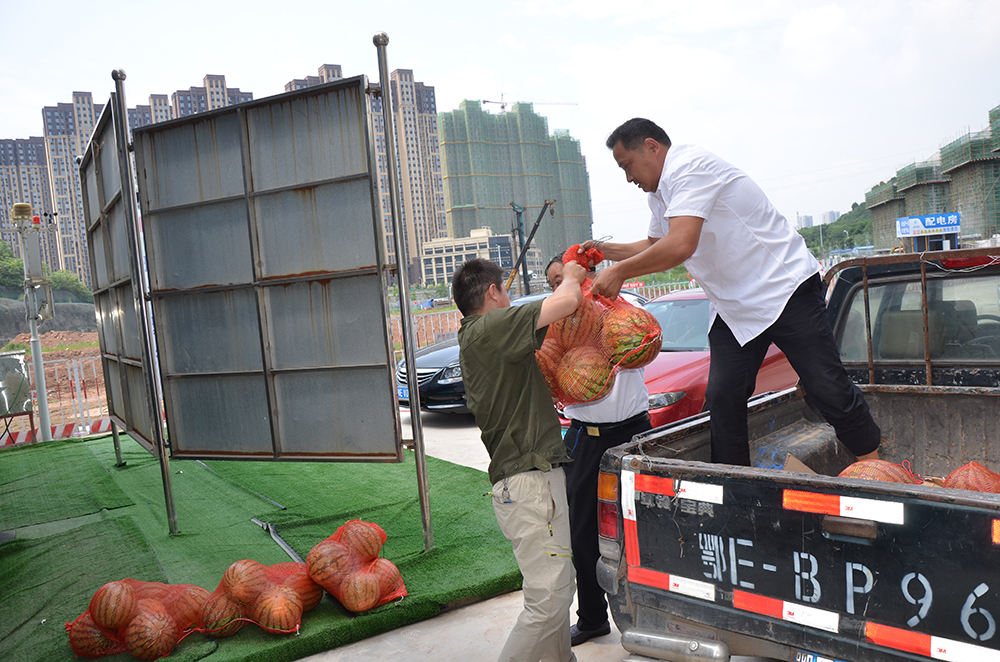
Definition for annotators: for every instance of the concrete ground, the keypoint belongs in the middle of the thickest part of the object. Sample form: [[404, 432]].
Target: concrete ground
[[478, 631]]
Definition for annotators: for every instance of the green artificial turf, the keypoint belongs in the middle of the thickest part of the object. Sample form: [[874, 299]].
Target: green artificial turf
[[50, 571], [35, 490]]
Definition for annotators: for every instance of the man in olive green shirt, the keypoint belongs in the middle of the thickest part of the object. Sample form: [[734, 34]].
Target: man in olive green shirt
[[507, 393]]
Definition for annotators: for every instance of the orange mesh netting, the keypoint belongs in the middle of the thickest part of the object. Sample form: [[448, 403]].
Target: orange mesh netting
[[272, 597], [347, 564], [146, 619], [582, 353], [973, 476], [881, 470]]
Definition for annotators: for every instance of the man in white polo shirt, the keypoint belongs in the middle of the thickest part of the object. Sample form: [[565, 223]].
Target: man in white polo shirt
[[762, 282]]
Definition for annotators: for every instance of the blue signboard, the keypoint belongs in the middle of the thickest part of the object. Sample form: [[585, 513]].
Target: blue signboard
[[915, 226]]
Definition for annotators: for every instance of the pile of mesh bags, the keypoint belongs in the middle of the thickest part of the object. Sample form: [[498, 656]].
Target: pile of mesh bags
[[148, 619]]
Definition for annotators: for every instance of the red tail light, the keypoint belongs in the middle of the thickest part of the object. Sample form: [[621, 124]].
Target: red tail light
[[607, 520]]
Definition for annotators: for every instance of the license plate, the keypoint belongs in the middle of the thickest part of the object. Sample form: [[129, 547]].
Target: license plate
[[403, 392]]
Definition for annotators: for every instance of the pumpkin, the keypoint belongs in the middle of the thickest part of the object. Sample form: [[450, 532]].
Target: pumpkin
[[113, 605], [359, 591], [152, 633], [631, 337], [219, 616], [329, 562], [364, 538], [186, 603], [584, 375], [245, 579], [278, 610], [87, 640]]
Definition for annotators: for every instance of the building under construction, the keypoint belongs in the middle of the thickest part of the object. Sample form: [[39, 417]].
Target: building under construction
[[490, 161], [964, 179]]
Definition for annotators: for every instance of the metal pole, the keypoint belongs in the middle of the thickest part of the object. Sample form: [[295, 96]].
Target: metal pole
[[524, 249], [128, 202], [40, 390], [380, 40]]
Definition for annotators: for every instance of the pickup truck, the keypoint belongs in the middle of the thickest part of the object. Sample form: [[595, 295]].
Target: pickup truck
[[784, 559]]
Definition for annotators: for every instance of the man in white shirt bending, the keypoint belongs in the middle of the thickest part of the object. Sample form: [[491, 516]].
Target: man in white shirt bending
[[762, 282]]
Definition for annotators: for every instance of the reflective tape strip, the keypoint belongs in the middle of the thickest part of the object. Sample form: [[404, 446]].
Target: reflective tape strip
[[628, 495], [654, 485], [683, 585], [996, 531], [889, 512], [631, 542], [937, 648], [700, 492], [787, 611], [628, 518]]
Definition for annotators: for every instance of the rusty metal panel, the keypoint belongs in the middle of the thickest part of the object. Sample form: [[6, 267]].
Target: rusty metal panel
[[267, 279], [192, 236], [221, 416], [305, 138], [325, 236], [209, 332], [189, 161], [336, 409], [329, 328]]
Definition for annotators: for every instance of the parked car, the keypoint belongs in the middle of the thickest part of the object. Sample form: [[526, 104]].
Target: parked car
[[677, 378], [439, 375]]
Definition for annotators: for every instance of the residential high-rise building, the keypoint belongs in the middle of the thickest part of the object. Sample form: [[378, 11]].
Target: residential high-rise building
[[828, 217], [24, 177], [490, 161], [326, 73], [213, 94], [67, 129], [415, 128]]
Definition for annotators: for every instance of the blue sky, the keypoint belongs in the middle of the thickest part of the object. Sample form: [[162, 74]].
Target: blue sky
[[817, 101]]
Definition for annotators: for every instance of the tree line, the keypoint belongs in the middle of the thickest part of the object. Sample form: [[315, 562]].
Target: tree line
[[66, 286]]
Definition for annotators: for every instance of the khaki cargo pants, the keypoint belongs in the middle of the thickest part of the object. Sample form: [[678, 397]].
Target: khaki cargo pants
[[533, 515]]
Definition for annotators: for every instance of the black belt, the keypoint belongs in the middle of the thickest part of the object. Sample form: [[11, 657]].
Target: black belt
[[628, 422]]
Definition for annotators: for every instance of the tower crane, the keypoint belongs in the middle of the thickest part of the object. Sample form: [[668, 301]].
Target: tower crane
[[503, 104]]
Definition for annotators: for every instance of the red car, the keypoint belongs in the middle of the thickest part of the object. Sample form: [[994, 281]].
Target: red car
[[677, 378]]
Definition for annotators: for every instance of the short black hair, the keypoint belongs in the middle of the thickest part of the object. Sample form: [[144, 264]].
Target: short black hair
[[633, 132], [471, 281], [556, 260]]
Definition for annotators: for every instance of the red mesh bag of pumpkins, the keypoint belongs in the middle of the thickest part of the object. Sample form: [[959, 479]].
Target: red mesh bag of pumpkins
[[145, 619], [273, 597], [881, 470], [973, 476], [583, 352], [348, 565]]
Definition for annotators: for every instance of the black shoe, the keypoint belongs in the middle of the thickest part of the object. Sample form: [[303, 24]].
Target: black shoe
[[578, 636]]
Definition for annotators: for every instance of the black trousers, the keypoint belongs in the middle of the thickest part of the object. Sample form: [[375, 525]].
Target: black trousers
[[803, 333], [586, 450]]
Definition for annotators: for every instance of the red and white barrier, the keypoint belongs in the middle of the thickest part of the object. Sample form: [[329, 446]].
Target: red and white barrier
[[66, 431]]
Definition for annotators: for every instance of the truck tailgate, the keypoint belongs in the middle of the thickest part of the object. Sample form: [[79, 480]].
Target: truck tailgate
[[860, 570]]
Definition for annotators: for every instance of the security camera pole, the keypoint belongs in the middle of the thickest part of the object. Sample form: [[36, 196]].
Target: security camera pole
[[37, 300]]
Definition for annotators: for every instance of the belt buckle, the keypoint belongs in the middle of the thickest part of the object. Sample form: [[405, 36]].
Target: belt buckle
[[593, 431]]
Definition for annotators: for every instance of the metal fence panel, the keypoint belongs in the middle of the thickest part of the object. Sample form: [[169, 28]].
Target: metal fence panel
[[267, 281], [110, 267]]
